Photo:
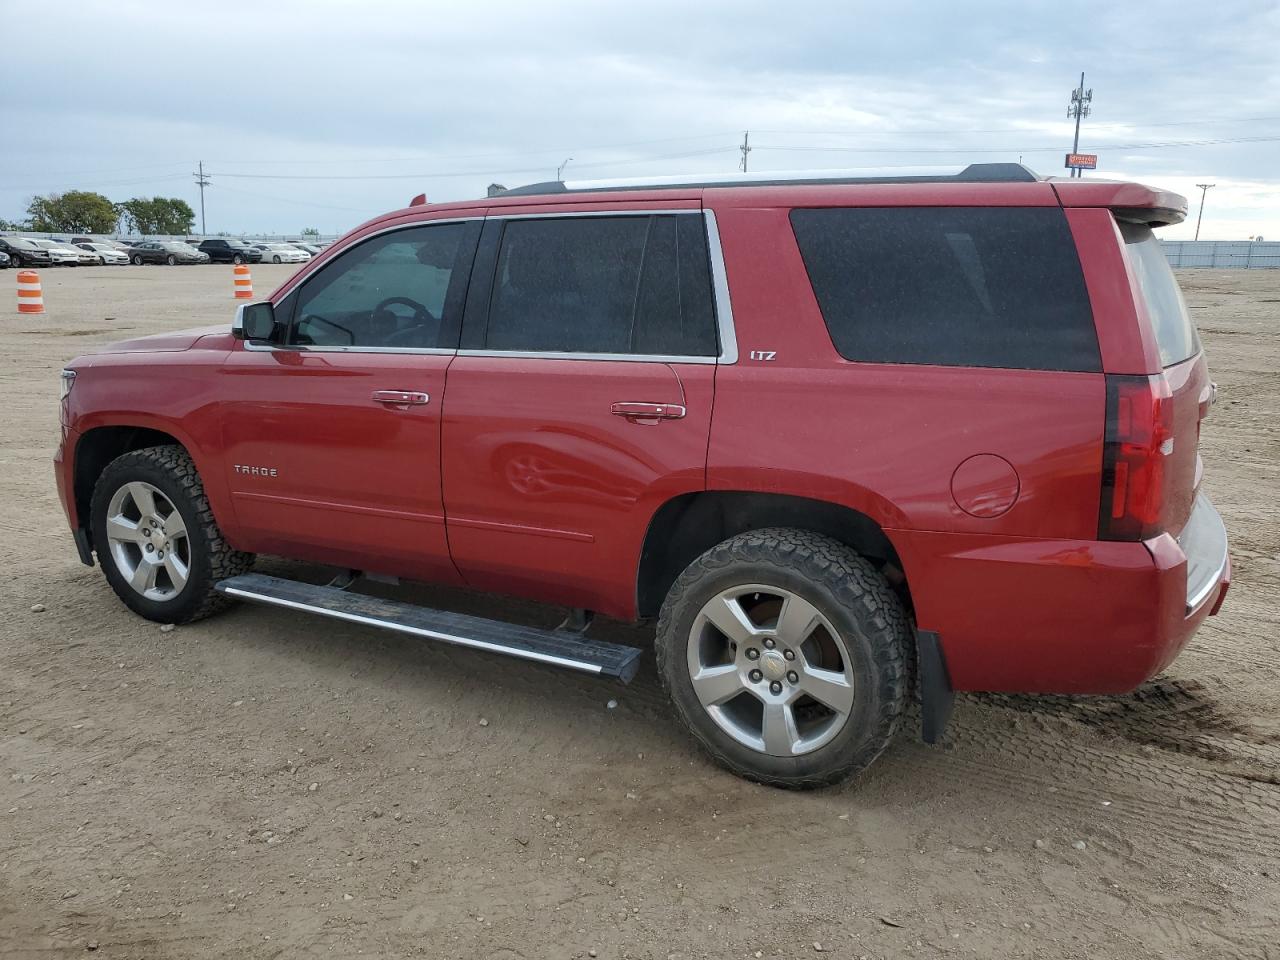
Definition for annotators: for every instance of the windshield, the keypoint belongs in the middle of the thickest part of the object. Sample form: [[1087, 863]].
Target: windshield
[[20, 243], [1176, 335]]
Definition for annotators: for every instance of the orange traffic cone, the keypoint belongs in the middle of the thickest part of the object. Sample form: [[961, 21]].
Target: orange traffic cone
[[30, 298], [243, 282]]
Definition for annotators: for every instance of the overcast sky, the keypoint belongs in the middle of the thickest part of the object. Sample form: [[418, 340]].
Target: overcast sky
[[323, 114]]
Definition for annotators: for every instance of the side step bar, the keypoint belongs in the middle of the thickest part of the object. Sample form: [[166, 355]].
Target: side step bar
[[557, 647]]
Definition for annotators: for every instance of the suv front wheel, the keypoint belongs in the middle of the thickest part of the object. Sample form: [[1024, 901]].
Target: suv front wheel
[[785, 654], [156, 538]]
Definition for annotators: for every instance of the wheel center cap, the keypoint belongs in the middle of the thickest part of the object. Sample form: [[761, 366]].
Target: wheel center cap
[[773, 665]]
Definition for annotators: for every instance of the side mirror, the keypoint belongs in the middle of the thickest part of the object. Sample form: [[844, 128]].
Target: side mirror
[[255, 322]]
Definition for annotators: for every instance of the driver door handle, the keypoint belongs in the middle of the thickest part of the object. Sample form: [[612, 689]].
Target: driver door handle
[[401, 398]]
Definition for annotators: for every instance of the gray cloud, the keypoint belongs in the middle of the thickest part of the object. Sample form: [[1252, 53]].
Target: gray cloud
[[448, 98]]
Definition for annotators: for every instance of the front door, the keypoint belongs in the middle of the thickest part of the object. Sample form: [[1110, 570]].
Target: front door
[[333, 434], [580, 402]]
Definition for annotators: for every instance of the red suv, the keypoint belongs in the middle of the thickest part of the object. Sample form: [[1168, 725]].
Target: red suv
[[848, 442]]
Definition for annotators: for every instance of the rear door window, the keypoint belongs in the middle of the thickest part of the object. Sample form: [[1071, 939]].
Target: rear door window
[[1175, 334], [637, 285], [956, 286]]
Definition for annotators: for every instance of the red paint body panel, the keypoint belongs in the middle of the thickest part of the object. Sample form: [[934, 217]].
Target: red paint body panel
[[548, 493], [516, 477], [357, 482]]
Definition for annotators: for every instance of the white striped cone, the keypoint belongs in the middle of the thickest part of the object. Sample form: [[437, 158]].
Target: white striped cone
[[30, 297], [243, 282]]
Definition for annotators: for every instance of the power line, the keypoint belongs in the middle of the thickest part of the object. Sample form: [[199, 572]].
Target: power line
[[1150, 145]]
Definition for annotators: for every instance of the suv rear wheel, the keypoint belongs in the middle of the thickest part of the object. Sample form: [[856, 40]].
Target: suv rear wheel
[[786, 656], [157, 541]]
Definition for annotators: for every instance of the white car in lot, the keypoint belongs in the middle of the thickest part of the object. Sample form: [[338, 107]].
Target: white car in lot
[[60, 254], [283, 253], [106, 254]]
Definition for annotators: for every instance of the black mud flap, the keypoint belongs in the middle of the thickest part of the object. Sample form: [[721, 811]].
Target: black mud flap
[[937, 699]]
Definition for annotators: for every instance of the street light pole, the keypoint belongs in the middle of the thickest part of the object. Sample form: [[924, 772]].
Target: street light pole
[[1204, 189]]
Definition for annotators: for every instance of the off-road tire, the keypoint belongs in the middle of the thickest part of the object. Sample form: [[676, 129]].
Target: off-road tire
[[853, 596], [171, 470]]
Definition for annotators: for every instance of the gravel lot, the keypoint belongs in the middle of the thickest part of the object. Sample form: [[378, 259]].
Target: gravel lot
[[266, 785]]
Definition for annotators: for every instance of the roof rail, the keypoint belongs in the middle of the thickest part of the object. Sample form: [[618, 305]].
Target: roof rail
[[973, 173]]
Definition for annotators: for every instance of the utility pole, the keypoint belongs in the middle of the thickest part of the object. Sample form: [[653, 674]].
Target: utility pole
[[201, 182], [560, 169], [1204, 189], [745, 148], [1078, 108]]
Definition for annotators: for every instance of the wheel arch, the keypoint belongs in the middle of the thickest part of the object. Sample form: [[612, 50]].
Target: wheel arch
[[688, 525], [96, 448]]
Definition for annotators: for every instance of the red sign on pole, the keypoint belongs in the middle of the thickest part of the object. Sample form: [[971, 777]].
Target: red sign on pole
[[1082, 161]]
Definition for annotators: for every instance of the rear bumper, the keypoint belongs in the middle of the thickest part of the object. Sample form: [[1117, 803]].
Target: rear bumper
[[1065, 616]]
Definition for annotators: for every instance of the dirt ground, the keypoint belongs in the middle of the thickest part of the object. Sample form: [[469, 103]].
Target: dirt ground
[[266, 785]]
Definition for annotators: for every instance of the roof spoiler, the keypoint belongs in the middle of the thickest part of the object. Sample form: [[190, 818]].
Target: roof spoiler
[[1130, 202]]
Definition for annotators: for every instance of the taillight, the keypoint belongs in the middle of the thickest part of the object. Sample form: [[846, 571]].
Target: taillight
[[1139, 439]]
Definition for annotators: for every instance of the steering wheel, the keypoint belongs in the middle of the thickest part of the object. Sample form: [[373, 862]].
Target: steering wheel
[[421, 318]]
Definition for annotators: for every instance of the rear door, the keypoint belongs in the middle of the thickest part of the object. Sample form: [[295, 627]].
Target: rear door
[[581, 399], [333, 436]]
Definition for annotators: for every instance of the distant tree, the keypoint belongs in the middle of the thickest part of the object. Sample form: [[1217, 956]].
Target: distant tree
[[151, 215], [76, 211], [12, 225]]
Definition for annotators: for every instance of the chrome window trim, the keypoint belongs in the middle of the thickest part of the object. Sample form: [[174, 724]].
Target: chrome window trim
[[568, 213], [719, 294], [270, 347], [552, 355], [719, 289]]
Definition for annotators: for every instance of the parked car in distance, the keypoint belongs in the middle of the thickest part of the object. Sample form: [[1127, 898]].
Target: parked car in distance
[[165, 251], [62, 255], [846, 443], [25, 253], [222, 250], [283, 253], [107, 254], [310, 248]]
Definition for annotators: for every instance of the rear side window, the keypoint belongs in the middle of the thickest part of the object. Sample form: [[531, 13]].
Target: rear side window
[[1176, 335], [609, 285], [956, 286]]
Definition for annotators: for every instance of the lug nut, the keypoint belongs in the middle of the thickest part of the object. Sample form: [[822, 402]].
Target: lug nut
[[150, 547], [756, 676], [775, 687], [753, 653], [146, 532], [769, 643], [160, 555], [793, 677], [789, 653]]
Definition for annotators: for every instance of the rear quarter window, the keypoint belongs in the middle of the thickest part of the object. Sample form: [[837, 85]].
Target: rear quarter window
[[955, 286], [1175, 334]]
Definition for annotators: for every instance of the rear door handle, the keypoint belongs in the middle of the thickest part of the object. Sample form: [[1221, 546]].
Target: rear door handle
[[401, 398], [633, 410]]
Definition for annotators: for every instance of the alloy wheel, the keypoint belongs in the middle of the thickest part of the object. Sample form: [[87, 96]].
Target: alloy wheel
[[147, 541], [770, 670]]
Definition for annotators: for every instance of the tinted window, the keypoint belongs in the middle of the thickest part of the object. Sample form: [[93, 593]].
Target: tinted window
[[982, 287], [1176, 335], [621, 285], [387, 292]]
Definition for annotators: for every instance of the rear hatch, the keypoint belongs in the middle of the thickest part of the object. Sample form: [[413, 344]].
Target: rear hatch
[[1185, 372]]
